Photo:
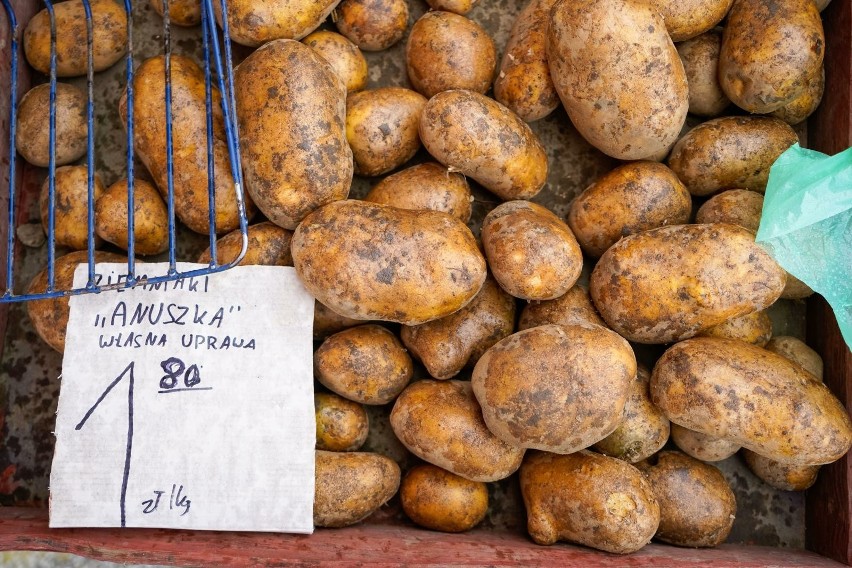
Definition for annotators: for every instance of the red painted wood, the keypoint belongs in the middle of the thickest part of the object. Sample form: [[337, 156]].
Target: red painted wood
[[26, 529]]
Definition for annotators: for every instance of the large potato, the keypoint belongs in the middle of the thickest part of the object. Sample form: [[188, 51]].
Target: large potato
[[350, 486], [730, 152], [189, 139], [343, 56], [292, 131], [618, 75], [150, 217], [754, 328], [630, 199], [372, 25], [381, 128], [439, 500], [572, 307], [762, 72], [700, 58], [71, 211], [702, 446], [268, 244], [735, 206], [256, 23], [588, 499], [674, 282], [484, 140], [805, 104], [441, 423], [342, 425], [181, 12], [555, 388], [371, 261], [425, 186], [109, 37], [797, 351], [523, 84], [733, 390], [686, 19], [33, 125]]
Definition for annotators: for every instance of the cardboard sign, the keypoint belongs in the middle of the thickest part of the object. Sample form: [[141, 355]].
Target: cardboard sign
[[188, 404]]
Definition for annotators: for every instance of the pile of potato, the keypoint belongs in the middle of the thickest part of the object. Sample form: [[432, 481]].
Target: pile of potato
[[554, 391]]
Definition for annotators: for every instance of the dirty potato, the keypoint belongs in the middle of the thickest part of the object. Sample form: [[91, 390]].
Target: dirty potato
[[461, 7], [268, 245], [445, 346], [33, 125], [150, 217], [754, 328], [441, 423], [256, 23], [292, 131], [372, 25], [735, 206], [618, 75], [447, 51], [700, 58], [343, 56], [805, 104], [574, 306], [328, 322], [797, 351], [342, 425], [686, 19], [588, 499], [439, 500], [785, 477], [71, 211], [630, 199], [181, 12], [365, 364], [425, 186], [370, 261], [350, 486], [702, 446]]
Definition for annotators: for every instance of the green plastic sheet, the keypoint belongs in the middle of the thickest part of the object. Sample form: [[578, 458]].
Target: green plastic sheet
[[807, 224]]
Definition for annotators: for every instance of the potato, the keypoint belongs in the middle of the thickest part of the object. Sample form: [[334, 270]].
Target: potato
[[674, 282], [805, 104], [150, 217], [630, 199], [532, 252], [643, 430], [796, 289], [484, 140], [735, 206], [365, 364], [686, 20], [748, 395], [447, 51], [256, 23], [181, 12], [762, 72], [342, 425], [372, 25], [33, 125], [292, 131], [785, 477], [555, 388], [189, 139], [754, 328], [702, 446], [344, 57], [328, 322], [268, 245], [441, 422], [588, 499], [697, 506], [700, 58], [350, 486], [109, 37], [445, 346], [381, 128], [461, 7], [618, 75], [523, 84], [572, 307], [439, 500], [425, 186], [798, 352], [369, 261], [50, 317], [71, 211]]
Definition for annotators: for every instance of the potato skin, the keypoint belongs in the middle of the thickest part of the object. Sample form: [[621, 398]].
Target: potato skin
[[71, 214], [447, 51], [109, 37], [532, 252], [697, 506], [439, 500], [256, 23], [484, 140], [381, 128], [643, 431], [762, 72], [370, 261], [702, 446], [292, 131], [626, 93], [445, 346], [181, 12], [674, 282], [33, 125], [365, 364], [50, 317], [798, 352], [460, 7], [630, 199], [686, 20], [748, 395], [350, 486], [343, 56], [754, 328], [588, 499], [523, 83], [800, 108], [700, 58], [342, 425], [574, 306], [555, 388], [373, 25], [735, 206], [150, 217], [441, 423], [785, 477], [730, 152], [328, 322], [268, 244], [425, 186]]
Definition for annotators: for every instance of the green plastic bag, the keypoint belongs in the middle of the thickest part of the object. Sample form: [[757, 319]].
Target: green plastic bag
[[807, 224]]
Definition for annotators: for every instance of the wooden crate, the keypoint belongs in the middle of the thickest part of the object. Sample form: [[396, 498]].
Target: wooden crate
[[829, 502]]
